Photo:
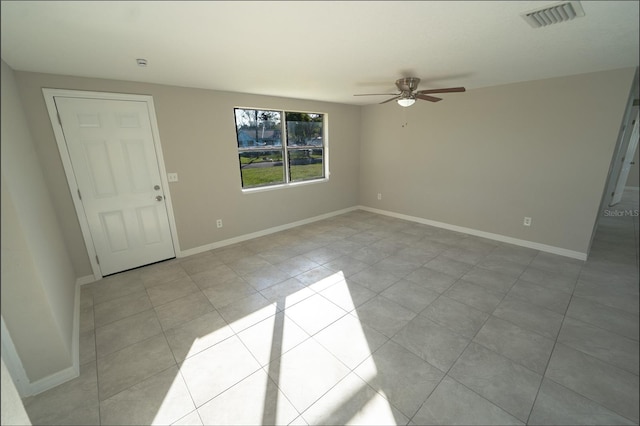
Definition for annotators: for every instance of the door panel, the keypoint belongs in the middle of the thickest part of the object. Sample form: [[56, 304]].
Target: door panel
[[149, 223], [115, 230], [626, 162], [111, 147], [99, 166], [136, 165]]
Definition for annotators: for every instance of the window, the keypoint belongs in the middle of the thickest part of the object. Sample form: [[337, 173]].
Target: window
[[265, 160]]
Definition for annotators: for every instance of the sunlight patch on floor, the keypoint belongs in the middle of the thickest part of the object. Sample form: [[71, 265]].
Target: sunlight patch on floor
[[255, 400], [315, 373], [352, 402]]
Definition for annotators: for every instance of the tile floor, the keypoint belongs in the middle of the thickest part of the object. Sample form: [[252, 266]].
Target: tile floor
[[363, 319]]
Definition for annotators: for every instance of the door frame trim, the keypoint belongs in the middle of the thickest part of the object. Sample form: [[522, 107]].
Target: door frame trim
[[614, 165], [49, 95]]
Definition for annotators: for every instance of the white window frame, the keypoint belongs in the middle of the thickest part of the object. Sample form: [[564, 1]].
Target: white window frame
[[285, 151]]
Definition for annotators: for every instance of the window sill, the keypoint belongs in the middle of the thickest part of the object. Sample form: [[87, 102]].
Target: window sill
[[283, 186]]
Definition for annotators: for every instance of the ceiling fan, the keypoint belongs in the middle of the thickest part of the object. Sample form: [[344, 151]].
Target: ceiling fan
[[408, 93]]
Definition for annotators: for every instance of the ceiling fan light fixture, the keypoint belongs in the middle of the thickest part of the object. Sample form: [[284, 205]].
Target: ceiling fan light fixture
[[408, 92], [406, 102]]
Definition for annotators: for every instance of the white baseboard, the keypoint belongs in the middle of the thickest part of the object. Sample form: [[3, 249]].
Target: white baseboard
[[26, 387], [49, 382], [73, 371], [491, 236], [87, 279], [262, 233]]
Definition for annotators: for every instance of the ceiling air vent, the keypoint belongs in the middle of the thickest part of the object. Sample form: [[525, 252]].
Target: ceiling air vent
[[554, 14]]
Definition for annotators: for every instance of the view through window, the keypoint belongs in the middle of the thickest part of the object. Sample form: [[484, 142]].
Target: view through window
[[265, 160]]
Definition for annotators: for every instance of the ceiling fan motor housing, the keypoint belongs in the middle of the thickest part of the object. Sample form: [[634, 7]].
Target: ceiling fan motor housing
[[408, 84]]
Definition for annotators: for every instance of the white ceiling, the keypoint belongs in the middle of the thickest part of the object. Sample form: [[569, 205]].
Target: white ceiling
[[315, 50]]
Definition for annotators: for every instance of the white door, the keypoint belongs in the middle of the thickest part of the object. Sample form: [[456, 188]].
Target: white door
[[626, 164], [110, 144]]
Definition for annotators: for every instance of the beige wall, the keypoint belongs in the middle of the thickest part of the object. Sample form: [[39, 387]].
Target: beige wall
[[487, 158], [38, 280], [198, 140]]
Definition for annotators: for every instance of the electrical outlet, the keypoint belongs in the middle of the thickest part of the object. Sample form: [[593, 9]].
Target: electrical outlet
[[219, 223], [172, 177], [527, 221], [379, 196]]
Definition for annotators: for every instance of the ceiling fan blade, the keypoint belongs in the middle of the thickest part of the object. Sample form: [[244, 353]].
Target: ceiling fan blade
[[389, 100], [376, 94], [446, 90], [427, 98]]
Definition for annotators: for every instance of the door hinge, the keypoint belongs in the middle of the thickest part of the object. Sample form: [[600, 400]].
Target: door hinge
[[97, 260], [79, 195]]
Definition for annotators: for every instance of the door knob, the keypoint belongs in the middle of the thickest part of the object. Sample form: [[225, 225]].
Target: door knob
[[159, 198]]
